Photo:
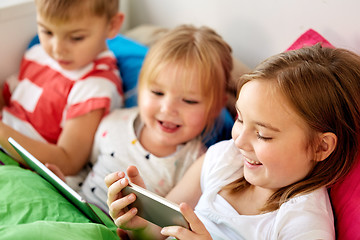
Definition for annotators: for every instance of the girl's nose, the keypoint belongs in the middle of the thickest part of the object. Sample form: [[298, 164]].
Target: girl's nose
[[241, 138], [168, 105]]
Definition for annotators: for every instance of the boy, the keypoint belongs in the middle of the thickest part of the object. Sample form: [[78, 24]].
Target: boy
[[66, 84]]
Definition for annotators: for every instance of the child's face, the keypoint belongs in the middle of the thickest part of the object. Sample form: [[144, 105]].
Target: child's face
[[172, 114], [271, 137], [73, 44]]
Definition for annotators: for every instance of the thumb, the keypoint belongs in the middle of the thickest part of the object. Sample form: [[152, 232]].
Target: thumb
[[134, 176]]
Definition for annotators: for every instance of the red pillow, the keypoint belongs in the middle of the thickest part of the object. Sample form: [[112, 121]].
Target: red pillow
[[345, 194]]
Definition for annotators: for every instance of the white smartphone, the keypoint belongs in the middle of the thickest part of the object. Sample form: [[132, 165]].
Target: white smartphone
[[155, 208]]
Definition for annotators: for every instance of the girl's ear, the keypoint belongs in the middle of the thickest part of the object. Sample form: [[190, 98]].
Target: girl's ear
[[115, 24], [326, 145]]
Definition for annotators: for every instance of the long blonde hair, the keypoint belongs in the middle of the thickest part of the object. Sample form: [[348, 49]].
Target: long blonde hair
[[199, 52], [323, 87]]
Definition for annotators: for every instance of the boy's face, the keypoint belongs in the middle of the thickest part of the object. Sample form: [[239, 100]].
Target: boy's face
[[73, 44]]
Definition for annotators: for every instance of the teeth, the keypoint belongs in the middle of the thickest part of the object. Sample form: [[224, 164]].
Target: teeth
[[169, 125], [253, 162]]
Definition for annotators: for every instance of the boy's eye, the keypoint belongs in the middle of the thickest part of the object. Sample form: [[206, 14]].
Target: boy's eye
[[46, 32], [157, 93], [77, 38]]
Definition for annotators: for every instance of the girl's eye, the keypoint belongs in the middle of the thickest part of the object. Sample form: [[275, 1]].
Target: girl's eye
[[157, 93], [260, 137], [190, 101]]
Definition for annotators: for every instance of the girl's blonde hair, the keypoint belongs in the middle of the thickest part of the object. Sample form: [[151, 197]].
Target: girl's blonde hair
[[65, 10], [196, 54], [323, 86]]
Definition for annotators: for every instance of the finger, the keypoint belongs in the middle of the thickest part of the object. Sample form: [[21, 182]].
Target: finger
[[177, 232], [195, 224], [123, 220], [114, 191], [119, 206], [134, 176], [113, 177]]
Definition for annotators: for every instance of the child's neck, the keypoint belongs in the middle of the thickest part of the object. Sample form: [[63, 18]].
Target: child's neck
[[249, 201], [154, 148]]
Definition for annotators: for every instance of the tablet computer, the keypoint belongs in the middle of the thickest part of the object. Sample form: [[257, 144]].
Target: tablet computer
[[94, 213], [155, 208]]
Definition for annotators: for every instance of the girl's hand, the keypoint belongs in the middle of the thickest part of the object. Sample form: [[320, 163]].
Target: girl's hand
[[118, 204], [198, 230]]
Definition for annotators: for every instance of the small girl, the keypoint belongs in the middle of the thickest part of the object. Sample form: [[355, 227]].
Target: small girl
[[295, 135], [182, 89]]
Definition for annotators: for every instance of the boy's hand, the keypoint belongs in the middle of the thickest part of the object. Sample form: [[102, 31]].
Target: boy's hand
[[55, 169], [197, 232]]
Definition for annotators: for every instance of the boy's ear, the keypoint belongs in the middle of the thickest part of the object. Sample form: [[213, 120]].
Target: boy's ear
[[115, 24], [326, 145]]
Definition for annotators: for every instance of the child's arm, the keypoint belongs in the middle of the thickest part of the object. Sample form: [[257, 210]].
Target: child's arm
[[188, 188], [72, 150]]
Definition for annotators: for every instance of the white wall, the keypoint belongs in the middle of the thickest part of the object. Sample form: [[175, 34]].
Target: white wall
[[17, 27], [257, 29]]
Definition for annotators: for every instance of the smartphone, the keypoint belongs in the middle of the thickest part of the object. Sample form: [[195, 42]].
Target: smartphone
[[155, 208]]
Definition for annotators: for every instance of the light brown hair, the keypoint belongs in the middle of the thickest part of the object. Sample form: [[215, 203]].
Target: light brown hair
[[323, 87], [65, 10], [199, 54]]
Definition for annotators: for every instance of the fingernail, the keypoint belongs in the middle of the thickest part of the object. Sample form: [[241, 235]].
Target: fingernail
[[131, 197], [133, 211], [122, 181]]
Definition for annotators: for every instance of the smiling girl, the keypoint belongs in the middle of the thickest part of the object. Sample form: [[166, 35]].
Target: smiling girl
[[295, 135], [182, 89]]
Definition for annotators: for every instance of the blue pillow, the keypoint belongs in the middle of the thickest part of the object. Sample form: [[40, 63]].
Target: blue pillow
[[130, 56]]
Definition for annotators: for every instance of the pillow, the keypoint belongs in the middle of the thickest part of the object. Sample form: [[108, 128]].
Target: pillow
[[309, 38], [345, 194], [345, 197]]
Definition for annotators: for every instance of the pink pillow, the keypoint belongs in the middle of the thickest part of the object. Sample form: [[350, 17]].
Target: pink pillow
[[309, 38], [345, 198], [345, 194]]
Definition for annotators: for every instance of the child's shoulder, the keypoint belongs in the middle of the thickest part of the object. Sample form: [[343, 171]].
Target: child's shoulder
[[120, 115], [311, 214]]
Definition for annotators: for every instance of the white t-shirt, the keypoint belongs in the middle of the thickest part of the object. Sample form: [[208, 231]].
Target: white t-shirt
[[116, 147], [304, 217]]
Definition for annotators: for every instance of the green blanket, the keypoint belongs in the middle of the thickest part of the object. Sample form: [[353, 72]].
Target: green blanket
[[31, 208]]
